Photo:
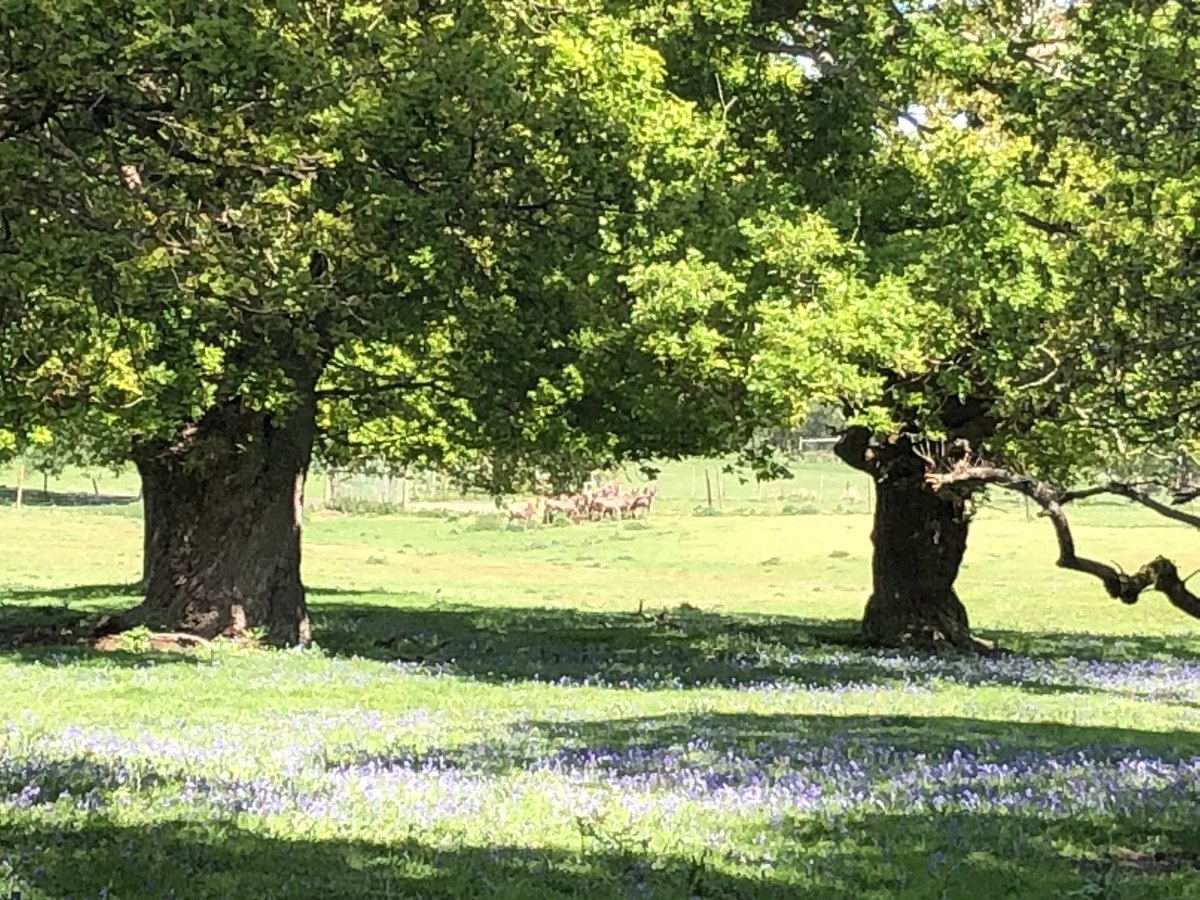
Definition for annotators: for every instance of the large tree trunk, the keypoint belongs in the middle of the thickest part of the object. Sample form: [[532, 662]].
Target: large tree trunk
[[223, 504], [920, 538]]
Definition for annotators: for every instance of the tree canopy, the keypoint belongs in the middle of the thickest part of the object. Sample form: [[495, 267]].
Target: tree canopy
[[448, 223]]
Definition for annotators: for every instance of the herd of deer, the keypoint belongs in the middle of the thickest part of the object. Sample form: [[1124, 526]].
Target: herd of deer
[[591, 504], [608, 501]]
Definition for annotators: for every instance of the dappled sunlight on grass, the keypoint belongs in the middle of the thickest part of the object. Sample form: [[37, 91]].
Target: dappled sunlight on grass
[[848, 788]]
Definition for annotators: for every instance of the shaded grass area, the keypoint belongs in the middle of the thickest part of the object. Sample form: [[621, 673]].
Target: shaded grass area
[[222, 859], [129, 842], [630, 745], [678, 648]]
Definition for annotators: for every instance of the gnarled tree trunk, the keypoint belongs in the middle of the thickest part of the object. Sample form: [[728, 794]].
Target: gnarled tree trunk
[[223, 503], [919, 539]]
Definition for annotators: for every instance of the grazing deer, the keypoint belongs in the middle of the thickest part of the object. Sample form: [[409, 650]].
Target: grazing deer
[[642, 499], [594, 502], [567, 504], [523, 512], [606, 507]]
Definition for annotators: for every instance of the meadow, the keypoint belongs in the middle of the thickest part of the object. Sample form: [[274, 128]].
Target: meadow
[[668, 708]]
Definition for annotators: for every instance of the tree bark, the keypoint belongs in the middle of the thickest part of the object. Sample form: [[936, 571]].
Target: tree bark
[[919, 538], [222, 508]]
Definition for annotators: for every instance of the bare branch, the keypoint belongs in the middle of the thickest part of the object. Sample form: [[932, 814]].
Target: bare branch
[[1160, 573], [1082, 493], [1129, 492]]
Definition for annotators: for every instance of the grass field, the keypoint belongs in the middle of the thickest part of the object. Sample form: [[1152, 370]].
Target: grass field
[[488, 715]]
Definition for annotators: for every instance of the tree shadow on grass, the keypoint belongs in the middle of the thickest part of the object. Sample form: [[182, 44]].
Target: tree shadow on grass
[[690, 648], [59, 633], [891, 738], [911, 856], [38, 497], [1086, 646], [1034, 845], [685, 647], [181, 859], [736, 749]]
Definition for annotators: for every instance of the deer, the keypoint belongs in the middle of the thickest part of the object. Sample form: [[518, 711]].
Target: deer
[[641, 499], [602, 506], [567, 504], [523, 512]]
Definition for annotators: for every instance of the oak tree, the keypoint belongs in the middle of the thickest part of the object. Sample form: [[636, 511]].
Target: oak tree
[[236, 231]]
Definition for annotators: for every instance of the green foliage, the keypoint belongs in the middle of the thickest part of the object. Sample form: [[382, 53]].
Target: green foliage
[[502, 239], [461, 230], [1117, 175]]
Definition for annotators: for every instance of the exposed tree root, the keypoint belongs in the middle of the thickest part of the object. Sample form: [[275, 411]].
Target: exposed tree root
[[930, 640], [110, 634], [109, 641], [162, 642]]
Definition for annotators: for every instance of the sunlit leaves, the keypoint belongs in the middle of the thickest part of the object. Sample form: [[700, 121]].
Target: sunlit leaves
[[544, 232]]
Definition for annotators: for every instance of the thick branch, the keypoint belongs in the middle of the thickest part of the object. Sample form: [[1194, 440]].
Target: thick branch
[[1160, 573], [917, 223], [1063, 228], [821, 58], [854, 449], [1129, 492], [1082, 493]]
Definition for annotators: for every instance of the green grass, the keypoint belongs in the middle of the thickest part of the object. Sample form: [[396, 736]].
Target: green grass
[[488, 714]]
